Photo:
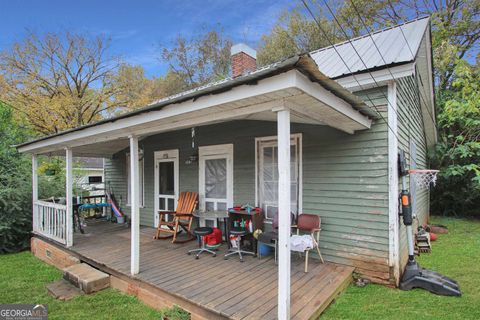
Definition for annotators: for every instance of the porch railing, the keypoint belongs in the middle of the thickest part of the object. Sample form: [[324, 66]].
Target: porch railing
[[50, 220]]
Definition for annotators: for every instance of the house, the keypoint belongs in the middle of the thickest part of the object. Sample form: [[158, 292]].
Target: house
[[317, 133], [90, 177]]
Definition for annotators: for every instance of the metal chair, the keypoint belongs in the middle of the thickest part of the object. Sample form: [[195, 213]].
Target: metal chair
[[310, 223], [239, 232], [201, 232]]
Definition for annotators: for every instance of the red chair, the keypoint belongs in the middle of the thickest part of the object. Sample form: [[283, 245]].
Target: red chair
[[310, 223]]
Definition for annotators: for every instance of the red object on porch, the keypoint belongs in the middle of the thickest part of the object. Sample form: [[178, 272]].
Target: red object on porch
[[214, 238]]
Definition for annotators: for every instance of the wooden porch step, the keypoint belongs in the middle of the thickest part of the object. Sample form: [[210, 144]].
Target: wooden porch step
[[86, 278]]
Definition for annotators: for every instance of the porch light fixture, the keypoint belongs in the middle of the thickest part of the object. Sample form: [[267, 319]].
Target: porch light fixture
[[193, 158]]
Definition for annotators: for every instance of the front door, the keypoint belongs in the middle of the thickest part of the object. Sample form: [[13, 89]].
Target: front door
[[166, 181], [216, 177]]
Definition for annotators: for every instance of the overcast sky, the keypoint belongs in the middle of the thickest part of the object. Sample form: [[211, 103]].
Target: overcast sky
[[138, 28]]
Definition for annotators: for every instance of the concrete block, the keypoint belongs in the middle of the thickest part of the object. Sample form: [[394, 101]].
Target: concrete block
[[86, 278]]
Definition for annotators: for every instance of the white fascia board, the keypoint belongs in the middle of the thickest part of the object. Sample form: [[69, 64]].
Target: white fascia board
[[122, 128], [320, 93], [282, 81], [382, 77], [433, 131]]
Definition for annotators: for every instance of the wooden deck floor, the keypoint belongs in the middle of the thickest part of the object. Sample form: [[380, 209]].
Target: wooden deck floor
[[228, 288]]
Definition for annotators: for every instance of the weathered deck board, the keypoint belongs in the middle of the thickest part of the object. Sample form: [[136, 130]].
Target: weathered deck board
[[230, 288]]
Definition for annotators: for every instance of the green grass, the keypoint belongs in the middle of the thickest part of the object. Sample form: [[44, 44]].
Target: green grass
[[23, 279], [456, 255]]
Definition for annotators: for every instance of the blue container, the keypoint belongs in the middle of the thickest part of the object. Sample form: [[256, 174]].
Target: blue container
[[264, 250]]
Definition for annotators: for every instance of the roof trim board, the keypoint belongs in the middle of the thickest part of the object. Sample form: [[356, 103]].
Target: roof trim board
[[239, 101]]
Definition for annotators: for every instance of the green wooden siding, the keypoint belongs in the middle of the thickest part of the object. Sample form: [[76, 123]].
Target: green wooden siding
[[411, 130], [345, 181]]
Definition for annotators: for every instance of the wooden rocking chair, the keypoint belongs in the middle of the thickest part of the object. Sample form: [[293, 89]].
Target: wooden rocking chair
[[182, 218]]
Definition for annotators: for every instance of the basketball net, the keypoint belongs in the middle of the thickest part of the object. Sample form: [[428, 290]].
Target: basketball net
[[424, 178]]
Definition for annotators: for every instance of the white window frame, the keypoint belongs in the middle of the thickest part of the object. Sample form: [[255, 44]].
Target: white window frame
[[294, 136], [166, 155], [219, 150], [141, 166]]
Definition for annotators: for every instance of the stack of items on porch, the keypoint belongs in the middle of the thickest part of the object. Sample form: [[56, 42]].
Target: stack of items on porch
[[245, 230]]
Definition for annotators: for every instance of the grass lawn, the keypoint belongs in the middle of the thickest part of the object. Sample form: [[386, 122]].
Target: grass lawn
[[456, 255], [23, 278]]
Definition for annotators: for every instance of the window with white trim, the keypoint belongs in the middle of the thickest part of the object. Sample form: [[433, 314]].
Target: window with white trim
[[141, 176], [267, 170]]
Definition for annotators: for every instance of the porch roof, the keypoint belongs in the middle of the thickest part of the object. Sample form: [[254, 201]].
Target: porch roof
[[295, 83]]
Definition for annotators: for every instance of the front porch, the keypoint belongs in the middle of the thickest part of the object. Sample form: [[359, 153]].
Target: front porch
[[209, 287], [278, 98]]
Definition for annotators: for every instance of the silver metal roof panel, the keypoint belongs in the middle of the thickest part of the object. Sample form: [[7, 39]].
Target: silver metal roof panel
[[395, 48]]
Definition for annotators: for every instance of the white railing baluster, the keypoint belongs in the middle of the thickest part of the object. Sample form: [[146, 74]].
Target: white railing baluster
[[50, 220]]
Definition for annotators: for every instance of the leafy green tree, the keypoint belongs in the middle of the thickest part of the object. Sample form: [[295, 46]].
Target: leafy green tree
[[455, 38], [295, 33], [15, 186], [458, 150], [58, 81]]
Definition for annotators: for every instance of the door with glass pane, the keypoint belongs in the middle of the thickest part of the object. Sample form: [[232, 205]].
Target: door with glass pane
[[267, 151], [216, 177], [166, 181]]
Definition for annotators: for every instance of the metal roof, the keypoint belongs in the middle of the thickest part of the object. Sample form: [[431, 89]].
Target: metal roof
[[390, 42], [395, 47], [303, 63]]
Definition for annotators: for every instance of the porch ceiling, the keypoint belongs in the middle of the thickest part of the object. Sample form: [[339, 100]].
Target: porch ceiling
[[309, 102]]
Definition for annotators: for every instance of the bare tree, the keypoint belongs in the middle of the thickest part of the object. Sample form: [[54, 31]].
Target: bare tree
[[199, 60], [58, 81]]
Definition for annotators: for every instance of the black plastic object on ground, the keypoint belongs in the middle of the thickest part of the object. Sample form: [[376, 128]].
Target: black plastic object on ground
[[415, 276]]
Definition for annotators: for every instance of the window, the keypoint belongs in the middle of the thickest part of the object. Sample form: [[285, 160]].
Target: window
[[216, 177], [267, 180], [141, 174], [95, 179]]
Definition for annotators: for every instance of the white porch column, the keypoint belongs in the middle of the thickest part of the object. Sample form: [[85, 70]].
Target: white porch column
[[34, 191], [284, 216], [69, 195], [135, 203]]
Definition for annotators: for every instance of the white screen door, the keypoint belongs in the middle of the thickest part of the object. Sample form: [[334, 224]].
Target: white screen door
[[216, 177], [166, 181], [267, 192]]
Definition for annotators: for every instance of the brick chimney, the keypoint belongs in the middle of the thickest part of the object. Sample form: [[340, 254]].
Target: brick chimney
[[244, 59]]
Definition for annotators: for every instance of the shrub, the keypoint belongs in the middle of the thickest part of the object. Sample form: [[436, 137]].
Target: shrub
[[15, 186]]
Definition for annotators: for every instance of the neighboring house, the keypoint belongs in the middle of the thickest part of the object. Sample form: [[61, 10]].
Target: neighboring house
[[89, 175], [346, 130]]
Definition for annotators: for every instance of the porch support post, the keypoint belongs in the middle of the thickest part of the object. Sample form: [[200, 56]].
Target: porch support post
[[34, 191], [69, 195], [284, 215], [135, 203]]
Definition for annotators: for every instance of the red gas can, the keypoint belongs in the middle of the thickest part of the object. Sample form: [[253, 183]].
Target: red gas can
[[214, 238]]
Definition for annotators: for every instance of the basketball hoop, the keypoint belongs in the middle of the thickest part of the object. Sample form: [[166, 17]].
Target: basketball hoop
[[424, 177]]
